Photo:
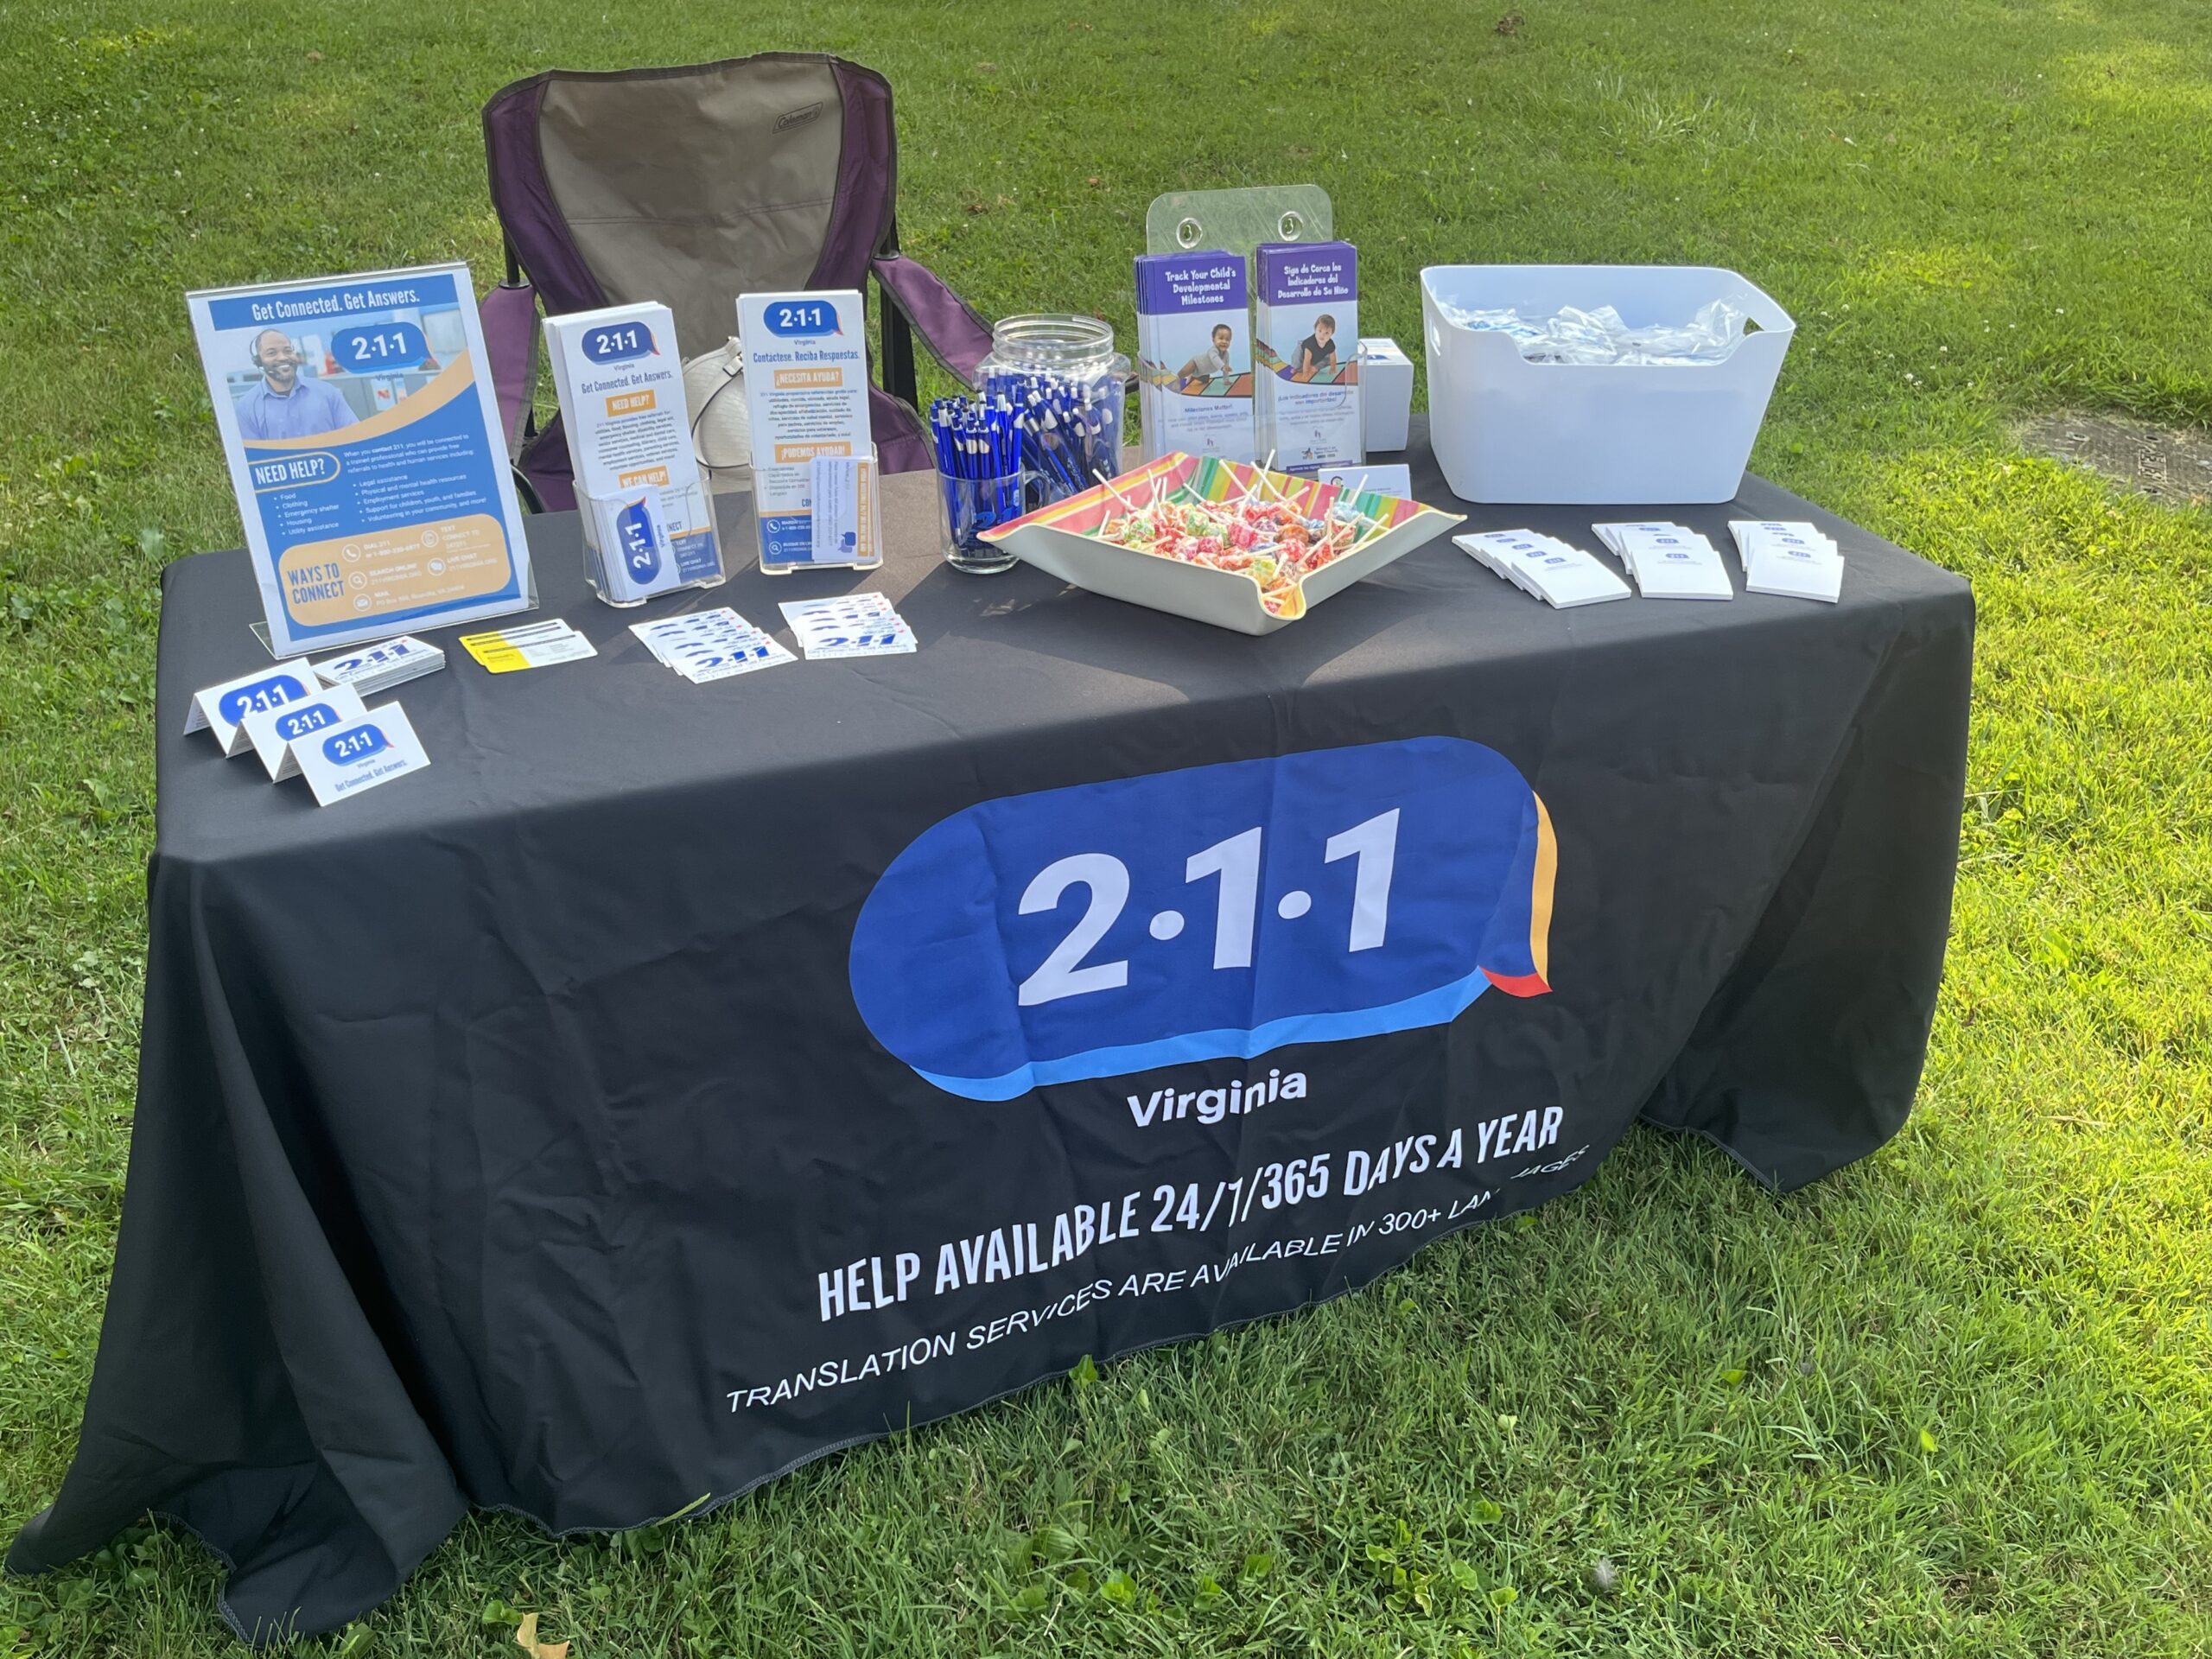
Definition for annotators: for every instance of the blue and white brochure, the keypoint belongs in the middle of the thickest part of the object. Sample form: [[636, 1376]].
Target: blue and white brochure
[[1194, 355], [362, 429], [649, 527], [806, 392], [1306, 349]]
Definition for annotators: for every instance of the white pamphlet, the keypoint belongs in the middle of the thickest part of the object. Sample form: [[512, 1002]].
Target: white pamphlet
[[806, 389], [1614, 537], [648, 523], [843, 530], [1562, 575], [1669, 562], [1794, 560]]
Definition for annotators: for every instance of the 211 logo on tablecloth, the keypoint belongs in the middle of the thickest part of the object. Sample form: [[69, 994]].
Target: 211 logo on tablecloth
[[1215, 912]]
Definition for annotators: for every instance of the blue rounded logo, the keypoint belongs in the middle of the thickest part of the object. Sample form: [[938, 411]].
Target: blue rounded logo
[[640, 545], [801, 318], [242, 700], [380, 348], [299, 723], [621, 342], [1216, 912], [344, 748]]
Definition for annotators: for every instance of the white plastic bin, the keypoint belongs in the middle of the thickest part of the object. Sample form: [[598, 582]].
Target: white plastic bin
[[1508, 429]]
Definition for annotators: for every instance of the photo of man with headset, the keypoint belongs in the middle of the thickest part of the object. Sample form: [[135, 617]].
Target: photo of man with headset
[[284, 405]]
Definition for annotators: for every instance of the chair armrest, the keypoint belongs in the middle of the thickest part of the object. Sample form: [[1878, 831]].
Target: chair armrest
[[955, 335], [510, 318]]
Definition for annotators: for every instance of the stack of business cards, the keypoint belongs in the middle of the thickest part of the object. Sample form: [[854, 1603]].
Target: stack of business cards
[[856, 625], [1561, 574], [505, 650], [372, 669], [1793, 559], [1667, 561], [704, 646]]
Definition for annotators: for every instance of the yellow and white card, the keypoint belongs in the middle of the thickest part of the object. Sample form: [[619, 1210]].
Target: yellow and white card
[[505, 650]]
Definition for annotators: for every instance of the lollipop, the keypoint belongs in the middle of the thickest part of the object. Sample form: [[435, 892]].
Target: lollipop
[[1260, 534]]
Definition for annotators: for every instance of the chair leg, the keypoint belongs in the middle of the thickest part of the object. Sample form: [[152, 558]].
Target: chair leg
[[526, 491], [898, 352]]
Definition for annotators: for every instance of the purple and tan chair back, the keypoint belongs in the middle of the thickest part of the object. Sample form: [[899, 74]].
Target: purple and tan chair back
[[689, 186]]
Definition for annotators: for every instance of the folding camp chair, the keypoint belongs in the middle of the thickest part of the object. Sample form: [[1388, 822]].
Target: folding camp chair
[[691, 186]]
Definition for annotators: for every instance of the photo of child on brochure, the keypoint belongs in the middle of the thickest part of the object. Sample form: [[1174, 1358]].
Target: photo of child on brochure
[[1319, 360], [1217, 364]]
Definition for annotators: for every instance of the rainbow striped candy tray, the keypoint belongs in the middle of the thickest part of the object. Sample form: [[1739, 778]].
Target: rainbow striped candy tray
[[1063, 540]]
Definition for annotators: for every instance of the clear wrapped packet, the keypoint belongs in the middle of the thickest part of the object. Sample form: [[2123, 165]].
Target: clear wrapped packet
[[1573, 335]]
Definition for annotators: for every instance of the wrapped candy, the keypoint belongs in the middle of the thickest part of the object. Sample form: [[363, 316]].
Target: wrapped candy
[[1253, 535], [1573, 335]]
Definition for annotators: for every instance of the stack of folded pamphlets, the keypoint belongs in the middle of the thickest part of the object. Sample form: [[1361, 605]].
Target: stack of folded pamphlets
[[1667, 561], [1793, 559], [372, 669], [704, 646], [1561, 574], [854, 625]]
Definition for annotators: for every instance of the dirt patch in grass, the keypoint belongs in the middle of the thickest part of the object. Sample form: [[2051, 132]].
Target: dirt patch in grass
[[2171, 464]]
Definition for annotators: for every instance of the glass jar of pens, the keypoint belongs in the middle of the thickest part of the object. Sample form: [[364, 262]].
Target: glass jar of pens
[[1066, 385], [1046, 425]]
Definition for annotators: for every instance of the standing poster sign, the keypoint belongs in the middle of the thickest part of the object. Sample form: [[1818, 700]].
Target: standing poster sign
[[362, 430]]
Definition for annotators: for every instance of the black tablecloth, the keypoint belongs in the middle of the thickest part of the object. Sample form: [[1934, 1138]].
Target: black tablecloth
[[514, 1134]]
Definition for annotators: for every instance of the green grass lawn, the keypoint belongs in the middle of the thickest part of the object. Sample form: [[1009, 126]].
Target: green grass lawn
[[1955, 1400]]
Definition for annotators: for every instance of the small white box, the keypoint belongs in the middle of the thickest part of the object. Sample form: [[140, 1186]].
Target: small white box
[[1385, 394]]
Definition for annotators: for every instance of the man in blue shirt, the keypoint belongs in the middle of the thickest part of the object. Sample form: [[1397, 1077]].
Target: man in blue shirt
[[283, 405]]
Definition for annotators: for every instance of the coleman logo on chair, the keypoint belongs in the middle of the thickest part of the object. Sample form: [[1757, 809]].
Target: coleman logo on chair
[[1222, 910]]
